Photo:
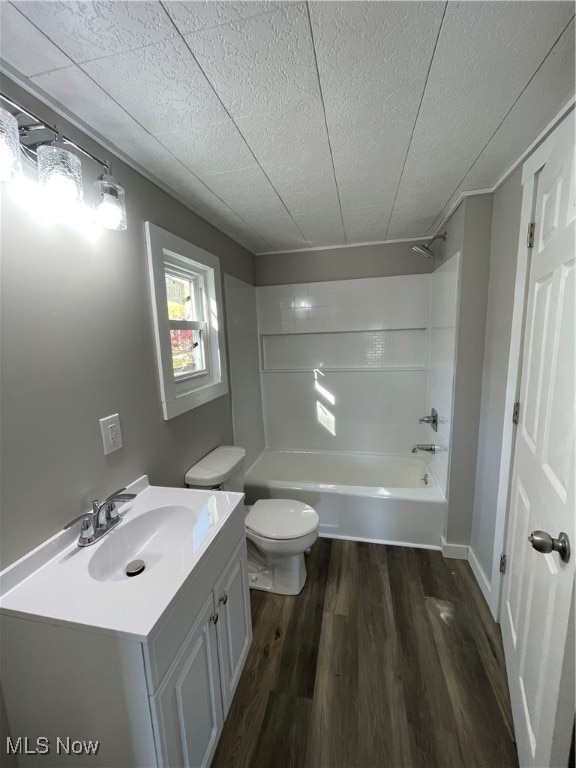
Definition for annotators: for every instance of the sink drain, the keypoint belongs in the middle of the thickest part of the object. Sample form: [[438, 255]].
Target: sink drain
[[135, 567]]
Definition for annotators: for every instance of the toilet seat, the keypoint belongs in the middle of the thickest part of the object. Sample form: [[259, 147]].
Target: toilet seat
[[281, 519]]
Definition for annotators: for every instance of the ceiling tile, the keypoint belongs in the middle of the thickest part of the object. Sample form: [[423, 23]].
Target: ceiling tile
[[238, 106], [313, 203], [91, 29], [551, 89], [211, 208], [249, 193], [204, 14], [290, 138], [209, 149], [367, 51], [160, 85], [367, 194], [38, 55], [292, 147], [263, 62], [462, 107], [372, 59], [320, 224], [366, 224], [74, 90]]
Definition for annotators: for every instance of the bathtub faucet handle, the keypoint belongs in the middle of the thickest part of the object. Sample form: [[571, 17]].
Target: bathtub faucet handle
[[432, 420]]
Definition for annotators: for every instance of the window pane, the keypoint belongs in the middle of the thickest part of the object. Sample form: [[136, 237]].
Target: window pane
[[182, 298], [187, 352]]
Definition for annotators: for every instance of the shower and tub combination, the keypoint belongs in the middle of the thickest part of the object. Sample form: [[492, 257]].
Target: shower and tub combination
[[347, 370], [367, 497]]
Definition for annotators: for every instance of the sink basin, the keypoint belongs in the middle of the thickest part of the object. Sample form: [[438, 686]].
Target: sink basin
[[174, 531]]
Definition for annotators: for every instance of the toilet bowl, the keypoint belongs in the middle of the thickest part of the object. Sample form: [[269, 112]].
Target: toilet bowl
[[278, 531]]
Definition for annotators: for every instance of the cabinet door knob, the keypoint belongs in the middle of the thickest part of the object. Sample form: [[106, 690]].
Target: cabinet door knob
[[214, 618], [223, 599]]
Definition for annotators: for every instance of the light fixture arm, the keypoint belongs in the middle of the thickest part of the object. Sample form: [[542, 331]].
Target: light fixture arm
[[42, 125]]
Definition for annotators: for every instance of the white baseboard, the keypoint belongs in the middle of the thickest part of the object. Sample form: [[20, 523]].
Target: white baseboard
[[454, 551], [481, 578]]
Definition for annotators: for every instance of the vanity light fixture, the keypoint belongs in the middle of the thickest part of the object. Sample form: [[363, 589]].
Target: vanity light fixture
[[60, 173], [59, 168], [111, 211], [10, 161]]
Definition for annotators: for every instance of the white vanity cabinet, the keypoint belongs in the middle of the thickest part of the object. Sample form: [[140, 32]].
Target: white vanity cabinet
[[193, 700], [154, 700], [234, 623], [187, 709]]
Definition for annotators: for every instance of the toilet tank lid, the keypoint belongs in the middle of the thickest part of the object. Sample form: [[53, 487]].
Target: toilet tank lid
[[217, 466]]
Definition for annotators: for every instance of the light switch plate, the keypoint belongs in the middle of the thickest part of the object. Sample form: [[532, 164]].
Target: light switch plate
[[111, 433]]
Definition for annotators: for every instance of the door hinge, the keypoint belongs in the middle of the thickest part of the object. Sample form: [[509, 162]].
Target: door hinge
[[516, 413], [530, 236], [502, 563]]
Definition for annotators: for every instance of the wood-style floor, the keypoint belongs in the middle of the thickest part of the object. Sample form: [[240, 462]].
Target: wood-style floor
[[388, 657]]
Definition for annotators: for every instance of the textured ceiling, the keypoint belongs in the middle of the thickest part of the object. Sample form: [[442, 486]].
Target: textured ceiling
[[291, 125]]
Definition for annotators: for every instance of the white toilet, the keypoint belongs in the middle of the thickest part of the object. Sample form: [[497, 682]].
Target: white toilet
[[279, 531]]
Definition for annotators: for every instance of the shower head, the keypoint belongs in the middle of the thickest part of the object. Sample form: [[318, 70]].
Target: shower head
[[424, 249]]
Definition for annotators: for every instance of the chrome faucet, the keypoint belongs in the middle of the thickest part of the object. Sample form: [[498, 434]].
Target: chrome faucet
[[432, 420], [103, 517], [429, 448]]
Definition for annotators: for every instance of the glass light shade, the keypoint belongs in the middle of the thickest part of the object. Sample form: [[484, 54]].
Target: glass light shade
[[10, 161], [60, 173], [111, 211]]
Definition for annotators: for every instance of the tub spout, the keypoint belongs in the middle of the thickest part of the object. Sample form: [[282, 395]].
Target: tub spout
[[426, 447]]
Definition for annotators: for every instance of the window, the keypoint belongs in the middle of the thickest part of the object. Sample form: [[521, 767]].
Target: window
[[187, 304]]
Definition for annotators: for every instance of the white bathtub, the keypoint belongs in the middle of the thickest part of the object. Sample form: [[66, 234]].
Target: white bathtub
[[367, 497]]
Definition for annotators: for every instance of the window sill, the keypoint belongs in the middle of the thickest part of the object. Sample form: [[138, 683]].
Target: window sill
[[188, 400]]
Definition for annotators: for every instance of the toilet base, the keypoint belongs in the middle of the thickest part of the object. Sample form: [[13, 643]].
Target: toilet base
[[270, 573]]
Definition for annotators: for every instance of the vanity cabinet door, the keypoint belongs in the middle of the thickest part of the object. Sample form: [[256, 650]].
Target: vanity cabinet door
[[231, 595], [187, 709]]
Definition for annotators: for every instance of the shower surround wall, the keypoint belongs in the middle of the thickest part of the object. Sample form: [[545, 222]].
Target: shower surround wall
[[344, 364], [443, 313]]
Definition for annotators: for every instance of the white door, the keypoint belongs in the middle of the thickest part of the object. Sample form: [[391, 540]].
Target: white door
[[538, 586]]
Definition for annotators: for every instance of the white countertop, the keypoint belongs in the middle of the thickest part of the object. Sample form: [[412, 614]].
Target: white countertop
[[62, 583]]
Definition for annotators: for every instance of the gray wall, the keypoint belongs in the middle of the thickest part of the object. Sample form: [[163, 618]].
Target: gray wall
[[383, 260], [6, 760], [507, 203], [469, 231], [77, 345]]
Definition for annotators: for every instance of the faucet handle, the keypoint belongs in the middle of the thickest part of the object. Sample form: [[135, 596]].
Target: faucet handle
[[87, 529], [77, 519], [119, 495]]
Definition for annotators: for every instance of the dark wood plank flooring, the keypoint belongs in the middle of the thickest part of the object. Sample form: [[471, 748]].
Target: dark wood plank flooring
[[388, 657]]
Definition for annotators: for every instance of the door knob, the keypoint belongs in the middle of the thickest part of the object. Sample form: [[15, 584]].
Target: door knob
[[543, 542]]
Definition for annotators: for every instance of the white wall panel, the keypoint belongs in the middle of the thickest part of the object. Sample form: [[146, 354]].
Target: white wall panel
[[443, 312], [356, 350], [374, 332], [361, 411], [242, 331], [345, 305]]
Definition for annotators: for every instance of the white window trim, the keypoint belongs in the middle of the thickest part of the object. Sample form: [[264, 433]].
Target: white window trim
[[180, 396]]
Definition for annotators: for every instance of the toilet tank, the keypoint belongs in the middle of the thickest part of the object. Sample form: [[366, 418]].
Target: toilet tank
[[223, 468]]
